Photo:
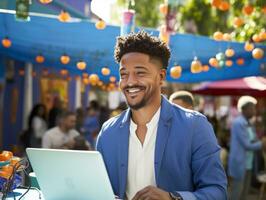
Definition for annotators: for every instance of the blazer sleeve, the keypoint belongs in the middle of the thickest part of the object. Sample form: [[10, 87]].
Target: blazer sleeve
[[209, 177]]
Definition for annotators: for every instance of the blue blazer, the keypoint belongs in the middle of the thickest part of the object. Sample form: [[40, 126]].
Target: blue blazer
[[186, 154], [239, 145]]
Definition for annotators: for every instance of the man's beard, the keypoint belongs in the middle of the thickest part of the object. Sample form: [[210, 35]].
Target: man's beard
[[138, 105]]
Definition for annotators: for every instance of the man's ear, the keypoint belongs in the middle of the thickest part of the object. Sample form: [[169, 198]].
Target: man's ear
[[162, 75]]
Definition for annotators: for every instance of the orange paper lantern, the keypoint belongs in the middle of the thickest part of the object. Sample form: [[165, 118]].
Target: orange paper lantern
[[39, 59], [81, 65], [237, 22], [163, 8], [112, 79], [176, 71], [248, 9], [196, 66], [105, 71], [213, 62], [258, 53], [63, 72], [218, 36], [228, 63], [262, 35], [93, 78], [45, 1], [229, 52], [240, 61], [249, 46], [224, 6], [6, 42], [256, 38], [64, 59], [64, 16], [100, 25], [216, 3], [205, 68], [226, 37]]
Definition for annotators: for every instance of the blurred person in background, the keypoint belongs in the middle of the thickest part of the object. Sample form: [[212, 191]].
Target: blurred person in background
[[243, 144], [182, 98], [62, 136], [37, 125]]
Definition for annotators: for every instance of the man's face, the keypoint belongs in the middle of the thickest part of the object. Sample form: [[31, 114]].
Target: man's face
[[250, 111], [140, 79], [70, 122]]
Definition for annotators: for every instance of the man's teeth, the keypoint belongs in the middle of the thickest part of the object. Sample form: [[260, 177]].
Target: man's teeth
[[133, 90]]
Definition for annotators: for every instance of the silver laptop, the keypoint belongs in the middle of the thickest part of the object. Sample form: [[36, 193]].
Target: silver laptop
[[70, 175]]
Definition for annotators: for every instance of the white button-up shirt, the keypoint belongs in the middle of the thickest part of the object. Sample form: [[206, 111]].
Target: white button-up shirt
[[141, 172]]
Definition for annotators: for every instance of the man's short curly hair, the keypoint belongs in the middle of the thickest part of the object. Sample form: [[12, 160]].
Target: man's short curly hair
[[142, 42]]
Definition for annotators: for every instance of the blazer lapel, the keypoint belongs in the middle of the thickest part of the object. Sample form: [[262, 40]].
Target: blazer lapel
[[162, 136], [123, 153]]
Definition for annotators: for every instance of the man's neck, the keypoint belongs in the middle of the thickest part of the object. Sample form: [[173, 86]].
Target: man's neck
[[144, 115]]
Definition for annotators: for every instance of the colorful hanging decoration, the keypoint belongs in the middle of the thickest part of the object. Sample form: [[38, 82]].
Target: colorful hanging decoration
[[257, 53], [6, 42], [81, 65], [164, 35], [93, 78], [105, 71], [228, 63], [213, 62], [176, 71], [237, 22], [163, 8], [22, 10], [39, 58], [229, 52], [64, 59], [240, 61], [226, 37], [112, 79], [64, 16], [100, 24], [249, 46], [205, 68], [256, 38], [128, 22], [64, 72], [224, 6], [218, 36], [247, 9], [45, 1], [221, 59], [196, 66]]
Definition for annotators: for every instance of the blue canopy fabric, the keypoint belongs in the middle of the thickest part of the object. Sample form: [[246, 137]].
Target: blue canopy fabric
[[82, 41]]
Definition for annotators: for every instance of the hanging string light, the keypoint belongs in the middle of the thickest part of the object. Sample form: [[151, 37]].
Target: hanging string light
[[64, 16], [249, 46], [6, 42], [65, 59], [196, 66], [45, 1], [112, 79], [258, 53], [105, 71], [176, 71], [213, 62], [228, 63], [39, 58], [100, 25], [94, 78], [240, 61], [81, 65], [229, 52]]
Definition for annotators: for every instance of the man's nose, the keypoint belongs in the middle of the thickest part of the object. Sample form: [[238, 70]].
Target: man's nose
[[132, 79]]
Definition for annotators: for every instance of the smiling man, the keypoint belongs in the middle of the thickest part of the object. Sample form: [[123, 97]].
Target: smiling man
[[155, 150]]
